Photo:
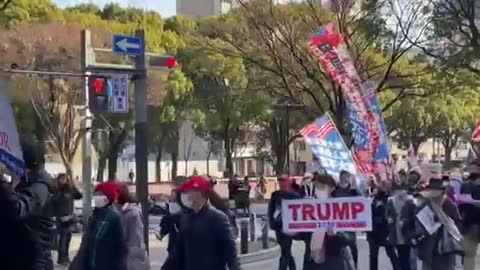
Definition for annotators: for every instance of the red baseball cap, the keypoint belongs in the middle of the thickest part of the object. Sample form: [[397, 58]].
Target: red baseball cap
[[197, 183]]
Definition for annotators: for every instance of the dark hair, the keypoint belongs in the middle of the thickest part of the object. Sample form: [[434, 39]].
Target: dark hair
[[325, 179], [68, 186]]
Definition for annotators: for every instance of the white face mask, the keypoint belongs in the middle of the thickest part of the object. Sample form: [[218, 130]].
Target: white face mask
[[174, 208], [431, 193], [100, 201], [185, 198]]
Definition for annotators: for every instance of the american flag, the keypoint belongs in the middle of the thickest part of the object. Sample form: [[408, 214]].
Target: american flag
[[318, 129], [363, 166], [476, 133]]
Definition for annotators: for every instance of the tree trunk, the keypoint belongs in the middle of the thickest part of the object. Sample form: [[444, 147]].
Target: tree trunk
[[102, 163], [228, 158], [158, 167], [416, 145], [174, 164], [209, 153], [112, 165], [448, 155]]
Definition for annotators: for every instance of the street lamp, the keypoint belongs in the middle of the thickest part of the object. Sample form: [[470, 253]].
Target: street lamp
[[288, 106]]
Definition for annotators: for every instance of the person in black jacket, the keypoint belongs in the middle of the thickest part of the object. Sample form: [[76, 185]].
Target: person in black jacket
[[27, 215], [345, 189], [63, 205], [205, 238], [336, 245], [274, 216], [380, 229], [170, 225]]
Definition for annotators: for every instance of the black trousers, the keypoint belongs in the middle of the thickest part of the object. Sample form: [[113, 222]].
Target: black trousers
[[390, 250], [403, 252], [286, 259], [64, 239]]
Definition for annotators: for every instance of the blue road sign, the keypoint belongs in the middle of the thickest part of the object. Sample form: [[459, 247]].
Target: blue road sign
[[127, 45]]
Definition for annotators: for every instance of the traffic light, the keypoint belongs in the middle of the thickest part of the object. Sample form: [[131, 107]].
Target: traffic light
[[99, 93], [165, 61]]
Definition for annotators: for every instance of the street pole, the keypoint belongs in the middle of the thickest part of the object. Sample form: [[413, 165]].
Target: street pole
[[288, 138], [86, 125], [141, 150]]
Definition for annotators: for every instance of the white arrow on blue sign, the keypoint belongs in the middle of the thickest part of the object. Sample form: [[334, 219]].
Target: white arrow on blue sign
[[127, 45]]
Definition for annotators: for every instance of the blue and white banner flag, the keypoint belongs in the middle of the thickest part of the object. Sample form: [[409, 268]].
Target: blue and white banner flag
[[328, 146], [10, 150]]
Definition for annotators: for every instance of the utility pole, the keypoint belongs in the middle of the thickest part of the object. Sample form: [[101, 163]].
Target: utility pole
[[86, 126], [141, 130]]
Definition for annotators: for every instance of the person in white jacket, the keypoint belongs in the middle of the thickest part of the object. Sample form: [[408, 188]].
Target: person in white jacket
[[137, 256]]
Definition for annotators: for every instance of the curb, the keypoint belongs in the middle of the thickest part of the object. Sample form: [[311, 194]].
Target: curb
[[261, 255]]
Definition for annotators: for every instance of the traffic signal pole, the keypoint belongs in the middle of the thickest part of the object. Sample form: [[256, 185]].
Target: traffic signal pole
[[141, 138], [86, 125]]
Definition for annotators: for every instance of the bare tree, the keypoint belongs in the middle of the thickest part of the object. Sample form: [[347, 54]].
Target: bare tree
[[272, 40], [452, 32]]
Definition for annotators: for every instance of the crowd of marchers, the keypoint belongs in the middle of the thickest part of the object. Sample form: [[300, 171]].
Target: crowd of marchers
[[37, 215], [396, 227]]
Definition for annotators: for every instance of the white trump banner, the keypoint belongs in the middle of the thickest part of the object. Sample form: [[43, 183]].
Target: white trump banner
[[349, 214], [10, 150]]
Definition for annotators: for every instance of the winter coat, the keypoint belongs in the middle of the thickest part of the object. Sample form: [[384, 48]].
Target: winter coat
[[337, 252], [31, 202], [275, 207], [137, 256], [401, 223], [170, 225], [427, 244], [380, 226], [63, 201], [17, 245], [103, 244], [206, 242]]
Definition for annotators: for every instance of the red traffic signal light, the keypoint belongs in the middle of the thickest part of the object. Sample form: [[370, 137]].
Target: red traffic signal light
[[171, 62], [99, 86]]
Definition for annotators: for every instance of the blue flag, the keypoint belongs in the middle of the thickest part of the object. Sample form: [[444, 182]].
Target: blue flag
[[328, 146]]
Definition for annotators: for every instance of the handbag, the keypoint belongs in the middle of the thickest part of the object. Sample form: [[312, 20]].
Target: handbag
[[448, 245]]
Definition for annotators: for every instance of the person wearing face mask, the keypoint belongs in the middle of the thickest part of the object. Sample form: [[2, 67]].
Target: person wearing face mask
[[380, 228], [471, 215], [170, 225], [103, 244], [400, 213], [205, 239], [274, 215], [326, 249], [432, 250], [137, 256], [345, 189]]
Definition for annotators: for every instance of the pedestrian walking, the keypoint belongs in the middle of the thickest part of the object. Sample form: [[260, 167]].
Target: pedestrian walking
[[27, 222], [103, 244], [438, 249], [345, 189], [170, 225], [400, 212], [377, 238], [275, 217], [326, 249], [471, 216], [63, 205], [205, 238], [137, 256]]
